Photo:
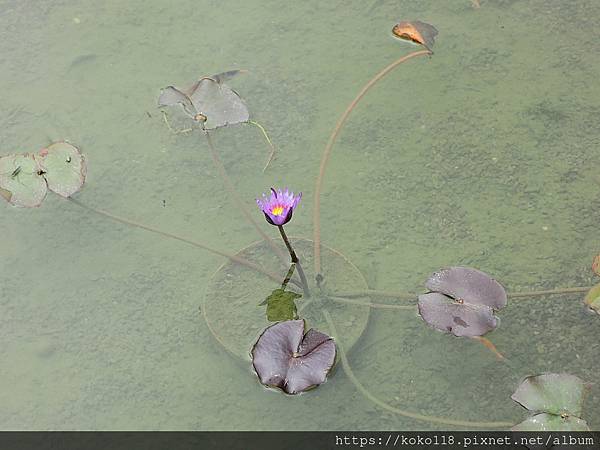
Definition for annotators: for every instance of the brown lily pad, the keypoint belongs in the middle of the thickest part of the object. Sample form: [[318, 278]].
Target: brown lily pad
[[416, 31]]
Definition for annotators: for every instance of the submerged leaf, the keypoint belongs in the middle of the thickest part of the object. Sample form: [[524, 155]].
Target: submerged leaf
[[286, 358], [281, 306], [416, 31], [462, 301], [552, 422], [560, 394], [64, 168], [209, 101], [21, 180], [220, 104]]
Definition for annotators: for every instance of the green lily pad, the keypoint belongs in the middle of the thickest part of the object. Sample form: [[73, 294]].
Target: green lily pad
[[64, 168], [552, 422], [559, 394], [281, 306], [592, 299], [21, 181]]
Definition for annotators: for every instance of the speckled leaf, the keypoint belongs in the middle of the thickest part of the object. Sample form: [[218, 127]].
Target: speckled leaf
[[552, 393], [551, 422], [220, 104], [281, 306], [471, 285], [64, 168], [20, 181], [461, 319], [592, 299], [285, 358]]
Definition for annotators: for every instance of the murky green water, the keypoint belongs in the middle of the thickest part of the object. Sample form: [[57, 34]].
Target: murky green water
[[483, 155]]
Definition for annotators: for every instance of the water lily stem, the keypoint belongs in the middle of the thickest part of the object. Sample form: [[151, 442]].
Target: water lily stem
[[234, 258], [236, 198], [402, 412], [295, 260], [329, 146]]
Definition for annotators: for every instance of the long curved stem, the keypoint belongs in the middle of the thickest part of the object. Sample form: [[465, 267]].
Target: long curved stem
[[233, 258], [236, 198], [329, 146], [402, 412]]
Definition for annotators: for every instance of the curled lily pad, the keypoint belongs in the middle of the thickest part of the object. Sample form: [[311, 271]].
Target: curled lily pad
[[462, 301], [286, 358], [552, 393], [592, 299], [557, 400], [21, 180], [209, 101], [416, 31], [64, 168]]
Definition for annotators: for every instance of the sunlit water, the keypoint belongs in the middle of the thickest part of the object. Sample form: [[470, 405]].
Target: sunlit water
[[485, 155]]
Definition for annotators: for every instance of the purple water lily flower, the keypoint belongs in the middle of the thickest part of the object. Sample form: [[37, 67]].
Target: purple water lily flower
[[279, 207]]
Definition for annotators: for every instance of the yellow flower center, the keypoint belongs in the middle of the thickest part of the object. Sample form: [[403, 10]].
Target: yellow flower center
[[277, 210]]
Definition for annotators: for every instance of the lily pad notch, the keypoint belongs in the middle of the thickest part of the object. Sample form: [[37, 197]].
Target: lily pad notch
[[25, 178], [556, 401], [285, 357], [462, 301], [212, 104]]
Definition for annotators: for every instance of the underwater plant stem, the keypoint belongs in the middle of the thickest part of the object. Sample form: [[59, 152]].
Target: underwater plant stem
[[329, 146], [236, 198], [295, 260], [342, 299], [402, 412], [233, 258], [288, 276], [268, 139], [556, 291], [490, 346]]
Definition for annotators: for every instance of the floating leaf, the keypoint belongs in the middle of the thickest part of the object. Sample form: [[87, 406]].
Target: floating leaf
[[553, 393], [21, 182], [286, 358], [209, 101], [470, 285], [592, 299], [445, 314], [462, 302], [281, 306], [551, 422], [64, 168], [416, 31]]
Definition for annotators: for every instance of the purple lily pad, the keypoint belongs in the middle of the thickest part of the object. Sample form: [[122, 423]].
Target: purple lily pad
[[445, 314], [462, 302], [286, 358], [470, 285]]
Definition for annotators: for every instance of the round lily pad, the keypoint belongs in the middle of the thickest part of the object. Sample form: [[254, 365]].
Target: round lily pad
[[559, 394], [462, 302], [552, 422], [286, 358], [64, 168], [21, 182], [592, 299], [232, 308]]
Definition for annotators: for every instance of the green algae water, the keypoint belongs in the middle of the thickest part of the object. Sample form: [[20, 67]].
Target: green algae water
[[484, 155]]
